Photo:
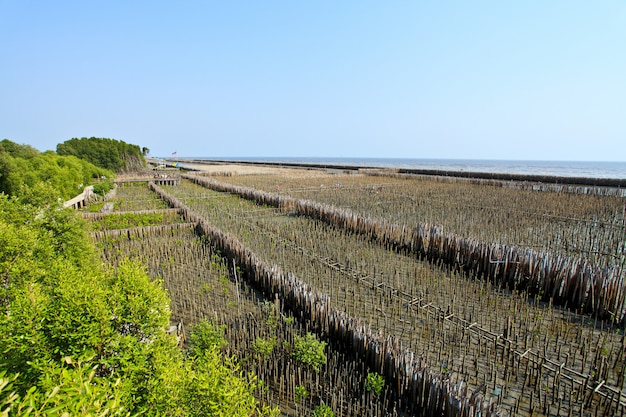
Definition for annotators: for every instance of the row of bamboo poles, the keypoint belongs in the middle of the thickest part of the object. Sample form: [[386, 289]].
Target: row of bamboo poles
[[180, 272], [514, 382], [562, 224], [423, 391], [513, 353], [549, 186], [97, 216], [140, 232], [574, 282], [194, 274]]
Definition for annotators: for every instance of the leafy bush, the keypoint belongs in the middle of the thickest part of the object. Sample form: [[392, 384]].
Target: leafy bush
[[375, 383], [215, 387], [323, 410], [111, 154], [75, 391], [101, 188], [264, 347], [309, 351], [206, 336], [301, 393], [81, 339], [42, 178]]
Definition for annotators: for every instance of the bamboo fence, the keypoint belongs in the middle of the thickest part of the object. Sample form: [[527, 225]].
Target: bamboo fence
[[98, 216], [586, 226], [140, 232], [194, 274], [534, 364], [574, 282], [613, 188], [420, 390], [552, 337]]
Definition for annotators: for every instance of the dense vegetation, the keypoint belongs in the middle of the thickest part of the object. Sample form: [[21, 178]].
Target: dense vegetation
[[130, 220], [81, 338], [114, 155], [42, 177]]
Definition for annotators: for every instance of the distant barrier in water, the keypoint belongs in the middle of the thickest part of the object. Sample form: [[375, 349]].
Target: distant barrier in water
[[570, 185]]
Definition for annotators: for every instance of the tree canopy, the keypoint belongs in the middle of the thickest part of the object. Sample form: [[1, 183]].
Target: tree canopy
[[114, 155], [83, 338], [80, 338], [41, 177]]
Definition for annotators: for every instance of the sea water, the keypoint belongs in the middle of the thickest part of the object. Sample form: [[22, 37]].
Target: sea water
[[580, 169]]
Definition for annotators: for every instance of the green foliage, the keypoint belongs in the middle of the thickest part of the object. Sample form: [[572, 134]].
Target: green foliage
[[111, 154], [301, 393], [42, 178], [33, 239], [206, 336], [375, 383], [80, 339], [309, 350], [67, 234], [215, 387], [323, 410], [101, 188], [264, 347], [140, 304], [270, 312], [73, 391], [130, 220]]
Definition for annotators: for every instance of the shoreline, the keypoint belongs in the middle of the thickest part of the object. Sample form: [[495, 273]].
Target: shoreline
[[535, 178]]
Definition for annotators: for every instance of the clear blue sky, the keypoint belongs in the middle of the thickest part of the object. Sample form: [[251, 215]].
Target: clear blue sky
[[477, 79]]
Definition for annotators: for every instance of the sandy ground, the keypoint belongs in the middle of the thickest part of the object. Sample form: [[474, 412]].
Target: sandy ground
[[236, 169]]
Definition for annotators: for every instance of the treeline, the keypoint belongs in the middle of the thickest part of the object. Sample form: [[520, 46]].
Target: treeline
[[79, 338], [114, 155], [42, 177]]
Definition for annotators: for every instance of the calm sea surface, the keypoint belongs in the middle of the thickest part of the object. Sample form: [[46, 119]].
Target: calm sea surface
[[581, 169]]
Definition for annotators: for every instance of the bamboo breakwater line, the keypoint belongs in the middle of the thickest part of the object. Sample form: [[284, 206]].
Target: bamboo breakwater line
[[99, 216], [140, 232], [420, 390], [544, 184], [513, 352], [510, 348], [572, 282]]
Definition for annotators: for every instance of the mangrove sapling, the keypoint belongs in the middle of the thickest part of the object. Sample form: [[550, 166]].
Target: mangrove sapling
[[374, 383], [309, 350], [323, 410], [205, 336], [263, 348], [300, 395]]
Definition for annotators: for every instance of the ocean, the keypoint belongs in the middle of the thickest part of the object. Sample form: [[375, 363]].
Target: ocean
[[579, 169]]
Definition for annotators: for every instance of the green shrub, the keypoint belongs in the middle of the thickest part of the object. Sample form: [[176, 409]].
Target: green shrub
[[43, 177], [264, 347], [309, 351], [112, 154], [81, 339], [206, 336], [375, 383], [74, 391], [323, 410], [101, 188], [301, 393]]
